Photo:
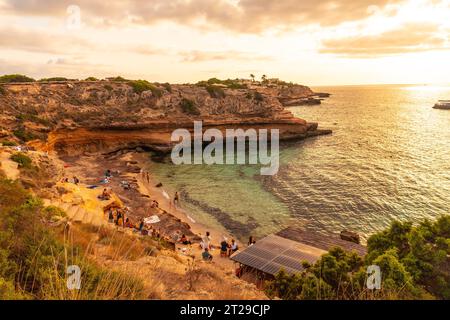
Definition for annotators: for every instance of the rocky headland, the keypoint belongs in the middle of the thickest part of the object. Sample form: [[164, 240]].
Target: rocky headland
[[85, 117]]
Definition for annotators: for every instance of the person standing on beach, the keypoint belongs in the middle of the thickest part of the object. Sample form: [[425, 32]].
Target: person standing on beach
[[176, 199], [206, 241], [224, 247]]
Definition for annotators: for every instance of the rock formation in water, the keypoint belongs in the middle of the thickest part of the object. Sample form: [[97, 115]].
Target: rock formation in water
[[91, 116]]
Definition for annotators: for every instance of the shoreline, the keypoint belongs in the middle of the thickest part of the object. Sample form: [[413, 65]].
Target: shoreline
[[130, 167], [155, 193]]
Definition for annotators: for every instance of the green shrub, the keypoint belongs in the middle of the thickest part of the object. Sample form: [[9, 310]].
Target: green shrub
[[189, 107], [118, 79], [167, 86], [22, 159], [7, 78], [2, 91], [91, 79], [215, 91], [24, 135], [140, 86], [32, 118], [258, 96], [8, 143], [52, 213], [53, 79], [229, 83], [235, 85]]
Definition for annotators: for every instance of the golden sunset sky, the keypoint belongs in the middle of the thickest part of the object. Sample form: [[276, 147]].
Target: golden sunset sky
[[320, 42]]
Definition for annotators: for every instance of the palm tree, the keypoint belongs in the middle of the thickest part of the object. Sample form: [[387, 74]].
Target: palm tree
[[252, 76], [264, 78]]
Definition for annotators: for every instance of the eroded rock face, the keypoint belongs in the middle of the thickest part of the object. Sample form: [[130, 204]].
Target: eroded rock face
[[104, 116]]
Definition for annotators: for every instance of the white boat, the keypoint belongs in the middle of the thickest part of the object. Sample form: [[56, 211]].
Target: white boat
[[442, 104]]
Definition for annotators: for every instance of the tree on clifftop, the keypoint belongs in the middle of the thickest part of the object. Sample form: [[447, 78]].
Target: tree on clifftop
[[264, 78]]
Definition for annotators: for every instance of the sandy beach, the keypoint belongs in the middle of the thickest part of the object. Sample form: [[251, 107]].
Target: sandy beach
[[131, 167]]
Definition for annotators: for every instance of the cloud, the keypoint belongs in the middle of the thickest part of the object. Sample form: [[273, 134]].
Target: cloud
[[147, 50], [201, 56], [13, 38], [408, 38], [246, 16]]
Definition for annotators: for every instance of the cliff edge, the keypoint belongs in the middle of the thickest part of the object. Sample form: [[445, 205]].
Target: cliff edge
[[90, 116]]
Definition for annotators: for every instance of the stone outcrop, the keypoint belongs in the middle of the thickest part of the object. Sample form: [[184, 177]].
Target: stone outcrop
[[84, 116]]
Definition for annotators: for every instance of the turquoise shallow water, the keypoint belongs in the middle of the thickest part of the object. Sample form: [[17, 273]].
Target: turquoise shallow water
[[388, 158]]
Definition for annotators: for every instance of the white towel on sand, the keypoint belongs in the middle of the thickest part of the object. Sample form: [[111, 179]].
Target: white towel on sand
[[166, 195], [152, 219]]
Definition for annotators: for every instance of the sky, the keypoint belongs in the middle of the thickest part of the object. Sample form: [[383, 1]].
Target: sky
[[312, 42]]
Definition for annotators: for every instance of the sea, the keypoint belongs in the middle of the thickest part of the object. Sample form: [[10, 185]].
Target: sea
[[387, 159]]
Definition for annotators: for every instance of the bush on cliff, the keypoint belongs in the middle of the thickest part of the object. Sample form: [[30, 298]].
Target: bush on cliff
[[24, 135], [215, 91], [53, 79], [414, 263], [7, 78], [2, 91], [32, 118], [8, 143], [189, 107], [22, 159], [167, 86], [258, 96], [229, 83], [118, 79], [91, 79], [140, 86]]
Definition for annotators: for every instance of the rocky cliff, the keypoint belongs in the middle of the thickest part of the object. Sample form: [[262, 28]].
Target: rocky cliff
[[90, 116]]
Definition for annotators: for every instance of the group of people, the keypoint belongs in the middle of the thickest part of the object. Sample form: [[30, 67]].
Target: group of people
[[227, 249], [148, 230], [178, 237], [106, 194], [74, 180], [118, 216]]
